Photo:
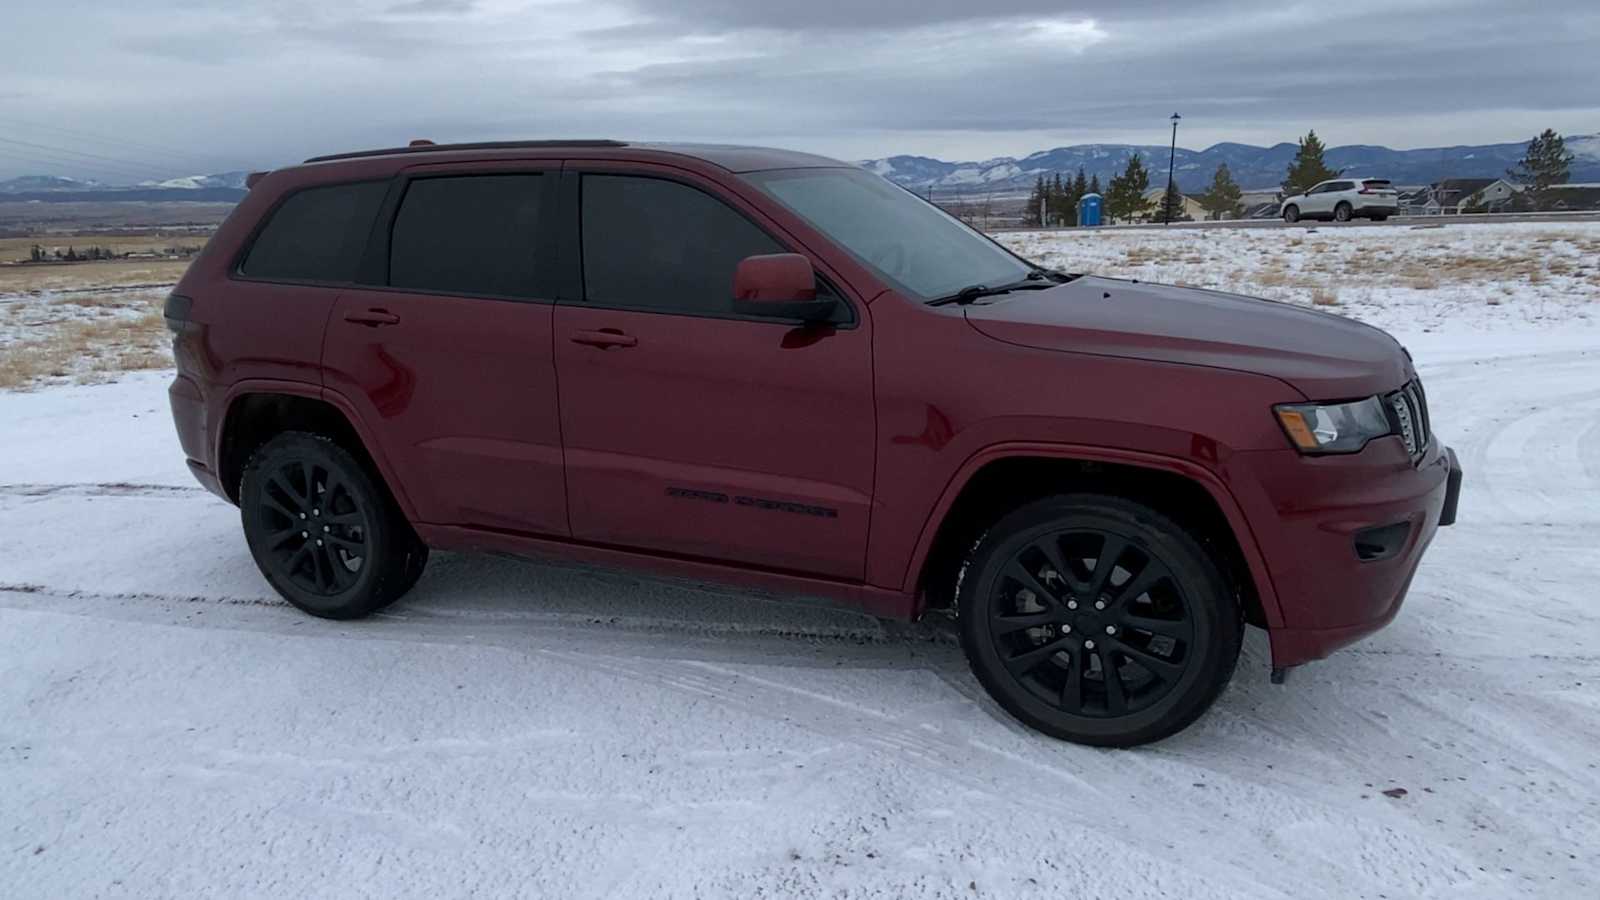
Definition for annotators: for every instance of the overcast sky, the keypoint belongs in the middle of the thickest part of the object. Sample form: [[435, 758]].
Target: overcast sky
[[129, 90]]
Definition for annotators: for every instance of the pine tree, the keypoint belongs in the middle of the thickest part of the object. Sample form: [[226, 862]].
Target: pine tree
[[1546, 163], [1125, 199], [1094, 185], [1172, 208], [1030, 214], [1307, 170], [1058, 200], [1222, 198]]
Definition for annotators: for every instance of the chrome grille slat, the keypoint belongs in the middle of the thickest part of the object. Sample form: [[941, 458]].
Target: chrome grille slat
[[1410, 405]]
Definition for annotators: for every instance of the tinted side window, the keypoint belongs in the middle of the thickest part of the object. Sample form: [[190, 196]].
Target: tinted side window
[[663, 245], [317, 234], [472, 234]]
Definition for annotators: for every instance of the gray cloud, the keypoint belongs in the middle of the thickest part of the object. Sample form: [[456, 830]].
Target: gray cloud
[[261, 83]]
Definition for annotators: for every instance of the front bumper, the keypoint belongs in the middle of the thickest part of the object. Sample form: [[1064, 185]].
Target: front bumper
[[1342, 537]]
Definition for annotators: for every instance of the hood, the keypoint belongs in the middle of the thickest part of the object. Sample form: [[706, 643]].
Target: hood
[[1324, 356]]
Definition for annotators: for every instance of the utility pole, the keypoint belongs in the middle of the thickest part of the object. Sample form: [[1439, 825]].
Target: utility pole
[[1172, 155]]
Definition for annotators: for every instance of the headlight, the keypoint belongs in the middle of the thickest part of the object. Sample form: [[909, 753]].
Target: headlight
[[1334, 427]]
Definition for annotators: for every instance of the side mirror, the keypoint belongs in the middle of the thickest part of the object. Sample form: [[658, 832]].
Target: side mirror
[[779, 286]]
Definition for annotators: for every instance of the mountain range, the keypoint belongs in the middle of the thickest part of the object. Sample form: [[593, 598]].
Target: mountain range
[[1254, 168], [221, 187]]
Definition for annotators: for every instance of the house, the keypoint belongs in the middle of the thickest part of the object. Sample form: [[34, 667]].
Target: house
[[1191, 211], [1452, 195], [1497, 196], [1574, 197]]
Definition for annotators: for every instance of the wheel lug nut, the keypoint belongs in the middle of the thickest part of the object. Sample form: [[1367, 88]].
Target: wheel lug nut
[[302, 515], [305, 534], [316, 512], [1072, 604], [326, 528], [1066, 629], [1099, 604], [1088, 645], [319, 542], [1111, 629]]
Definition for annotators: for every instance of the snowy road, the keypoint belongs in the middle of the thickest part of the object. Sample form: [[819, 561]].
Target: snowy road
[[169, 729]]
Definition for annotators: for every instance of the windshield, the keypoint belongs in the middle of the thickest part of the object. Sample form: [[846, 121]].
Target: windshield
[[918, 247]]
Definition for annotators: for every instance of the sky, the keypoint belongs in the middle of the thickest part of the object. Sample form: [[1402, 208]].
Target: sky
[[124, 92]]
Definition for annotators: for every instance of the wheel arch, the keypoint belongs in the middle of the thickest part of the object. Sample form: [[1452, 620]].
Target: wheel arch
[[997, 480], [256, 412]]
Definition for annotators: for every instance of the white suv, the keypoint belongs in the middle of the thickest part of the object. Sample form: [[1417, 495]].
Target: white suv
[[1344, 199]]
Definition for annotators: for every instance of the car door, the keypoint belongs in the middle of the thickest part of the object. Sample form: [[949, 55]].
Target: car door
[[691, 430], [1316, 203], [445, 347]]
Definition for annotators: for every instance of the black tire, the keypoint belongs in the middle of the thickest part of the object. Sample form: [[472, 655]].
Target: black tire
[[1013, 606], [1380, 218], [323, 530], [1342, 212], [1291, 214]]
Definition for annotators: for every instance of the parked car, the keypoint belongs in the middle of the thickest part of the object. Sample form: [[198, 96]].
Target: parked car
[[1343, 199], [781, 371]]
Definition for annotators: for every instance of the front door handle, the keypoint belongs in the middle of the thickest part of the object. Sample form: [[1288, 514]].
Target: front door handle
[[372, 318], [605, 338]]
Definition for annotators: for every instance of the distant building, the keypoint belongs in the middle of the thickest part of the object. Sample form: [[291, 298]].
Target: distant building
[[1190, 211]]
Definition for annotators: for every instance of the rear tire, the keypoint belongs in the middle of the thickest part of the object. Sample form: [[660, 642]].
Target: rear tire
[[1342, 212], [323, 530], [1291, 214], [1069, 649]]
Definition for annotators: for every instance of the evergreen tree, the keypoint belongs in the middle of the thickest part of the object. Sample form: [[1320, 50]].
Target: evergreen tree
[[1094, 185], [1030, 214], [1172, 208], [1058, 201], [1125, 199], [1222, 198], [1307, 169], [1546, 163]]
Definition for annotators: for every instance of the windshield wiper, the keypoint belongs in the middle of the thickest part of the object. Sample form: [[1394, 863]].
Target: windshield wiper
[[973, 291]]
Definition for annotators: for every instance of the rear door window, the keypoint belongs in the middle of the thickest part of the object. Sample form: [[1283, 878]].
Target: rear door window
[[649, 243], [469, 234], [316, 235]]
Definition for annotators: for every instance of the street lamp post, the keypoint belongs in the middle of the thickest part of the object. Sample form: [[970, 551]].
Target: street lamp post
[[1172, 154]]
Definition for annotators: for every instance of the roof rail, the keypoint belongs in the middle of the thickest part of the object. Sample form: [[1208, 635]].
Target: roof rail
[[480, 145]]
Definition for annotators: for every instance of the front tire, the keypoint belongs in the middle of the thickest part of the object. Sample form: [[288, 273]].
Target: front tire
[[1098, 620], [323, 531], [1291, 214]]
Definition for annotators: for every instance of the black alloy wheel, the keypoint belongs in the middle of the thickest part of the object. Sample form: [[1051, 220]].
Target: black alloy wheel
[[323, 532], [1098, 620]]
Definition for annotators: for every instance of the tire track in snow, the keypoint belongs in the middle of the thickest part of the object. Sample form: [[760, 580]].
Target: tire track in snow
[[100, 489]]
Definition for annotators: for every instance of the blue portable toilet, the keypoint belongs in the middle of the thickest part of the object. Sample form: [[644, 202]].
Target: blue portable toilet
[[1089, 210]]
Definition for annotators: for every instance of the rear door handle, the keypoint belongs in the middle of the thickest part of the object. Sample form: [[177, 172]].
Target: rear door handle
[[605, 338], [372, 317]]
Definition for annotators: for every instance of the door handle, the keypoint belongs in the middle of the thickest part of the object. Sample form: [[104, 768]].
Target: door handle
[[372, 318], [605, 338]]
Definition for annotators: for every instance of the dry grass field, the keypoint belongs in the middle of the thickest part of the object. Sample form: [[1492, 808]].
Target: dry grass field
[[85, 321]]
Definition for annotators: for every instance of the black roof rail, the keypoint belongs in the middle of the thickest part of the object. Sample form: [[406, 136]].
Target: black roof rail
[[479, 145]]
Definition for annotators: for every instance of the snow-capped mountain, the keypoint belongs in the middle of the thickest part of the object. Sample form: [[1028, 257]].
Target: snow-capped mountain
[[196, 182], [47, 184], [1252, 167]]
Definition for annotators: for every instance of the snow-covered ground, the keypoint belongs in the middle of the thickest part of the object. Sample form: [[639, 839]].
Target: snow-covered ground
[[1415, 278], [169, 728]]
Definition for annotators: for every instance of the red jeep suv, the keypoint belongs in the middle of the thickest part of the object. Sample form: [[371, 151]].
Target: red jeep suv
[[781, 371]]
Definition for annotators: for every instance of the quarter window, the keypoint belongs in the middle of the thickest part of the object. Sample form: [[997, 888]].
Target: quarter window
[[473, 234], [654, 244], [317, 234]]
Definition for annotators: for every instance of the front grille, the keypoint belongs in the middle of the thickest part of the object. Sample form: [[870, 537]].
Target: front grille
[[1409, 408]]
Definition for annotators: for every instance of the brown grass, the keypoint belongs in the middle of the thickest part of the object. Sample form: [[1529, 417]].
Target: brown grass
[[1324, 296], [77, 276], [106, 344]]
